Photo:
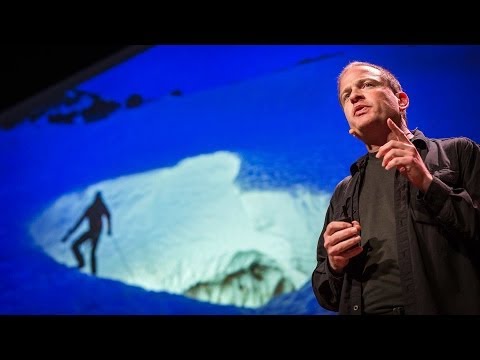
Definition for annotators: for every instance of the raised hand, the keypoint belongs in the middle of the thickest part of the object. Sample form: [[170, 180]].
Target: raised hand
[[399, 152]]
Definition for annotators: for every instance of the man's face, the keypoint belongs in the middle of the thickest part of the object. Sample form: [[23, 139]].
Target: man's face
[[367, 101]]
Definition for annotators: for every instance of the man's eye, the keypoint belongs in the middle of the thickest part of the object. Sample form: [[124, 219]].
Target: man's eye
[[367, 84]]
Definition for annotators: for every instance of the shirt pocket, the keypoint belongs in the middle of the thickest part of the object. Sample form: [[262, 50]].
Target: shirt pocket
[[448, 176]]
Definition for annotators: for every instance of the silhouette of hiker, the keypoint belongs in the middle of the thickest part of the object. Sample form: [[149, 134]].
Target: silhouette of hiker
[[94, 215]]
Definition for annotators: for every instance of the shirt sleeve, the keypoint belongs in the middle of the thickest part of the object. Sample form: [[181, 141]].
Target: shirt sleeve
[[458, 207], [326, 285]]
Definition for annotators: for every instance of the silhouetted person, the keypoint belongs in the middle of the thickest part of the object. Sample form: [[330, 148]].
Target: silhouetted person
[[94, 215]]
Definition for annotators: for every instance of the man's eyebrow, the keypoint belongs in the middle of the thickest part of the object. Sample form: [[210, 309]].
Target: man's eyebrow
[[359, 82]]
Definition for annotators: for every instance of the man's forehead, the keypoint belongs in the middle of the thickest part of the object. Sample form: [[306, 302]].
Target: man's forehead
[[359, 72]]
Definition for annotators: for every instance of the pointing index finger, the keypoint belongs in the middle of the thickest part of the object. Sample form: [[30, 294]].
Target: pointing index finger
[[397, 132]]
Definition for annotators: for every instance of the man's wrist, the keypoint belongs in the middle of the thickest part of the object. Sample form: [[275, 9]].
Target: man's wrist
[[336, 273]]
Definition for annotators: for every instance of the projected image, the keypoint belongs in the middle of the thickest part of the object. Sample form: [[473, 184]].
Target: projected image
[[195, 179]]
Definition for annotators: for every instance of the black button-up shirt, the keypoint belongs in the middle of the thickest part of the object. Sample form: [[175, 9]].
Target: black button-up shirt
[[437, 234]]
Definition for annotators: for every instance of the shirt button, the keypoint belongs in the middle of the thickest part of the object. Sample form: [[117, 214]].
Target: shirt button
[[355, 307]]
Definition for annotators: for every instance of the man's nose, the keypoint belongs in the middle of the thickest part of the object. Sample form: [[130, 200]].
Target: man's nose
[[355, 95]]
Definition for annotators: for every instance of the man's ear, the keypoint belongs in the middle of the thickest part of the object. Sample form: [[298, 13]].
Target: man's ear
[[403, 100]]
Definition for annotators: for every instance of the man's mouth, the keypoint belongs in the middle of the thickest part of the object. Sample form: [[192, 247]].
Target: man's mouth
[[360, 110]]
